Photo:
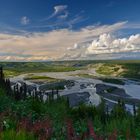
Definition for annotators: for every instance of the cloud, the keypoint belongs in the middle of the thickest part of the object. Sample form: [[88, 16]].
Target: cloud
[[58, 9], [58, 19], [54, 44], [63, 22], [25, 20], [64, 16], [74, 47], [106, 44]]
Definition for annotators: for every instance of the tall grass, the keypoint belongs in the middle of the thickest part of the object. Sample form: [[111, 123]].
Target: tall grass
[[13, 135]]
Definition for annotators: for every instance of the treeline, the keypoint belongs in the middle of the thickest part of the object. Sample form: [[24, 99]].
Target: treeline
[[21, 91], [5, 83]]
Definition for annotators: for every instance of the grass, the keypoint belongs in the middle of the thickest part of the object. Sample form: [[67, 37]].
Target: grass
[[109, 69], [16, 68], [87, 76], [14, 135], [11, 73], [42, 78]]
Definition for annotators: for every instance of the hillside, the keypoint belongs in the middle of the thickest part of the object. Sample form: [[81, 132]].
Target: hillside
[[28, 117]]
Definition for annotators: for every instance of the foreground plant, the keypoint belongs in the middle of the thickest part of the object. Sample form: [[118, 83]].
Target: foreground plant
[[14, 135]]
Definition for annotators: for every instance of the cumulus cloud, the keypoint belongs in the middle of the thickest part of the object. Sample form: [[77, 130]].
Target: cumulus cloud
[[106, 43], [25, 20], [54, 44]]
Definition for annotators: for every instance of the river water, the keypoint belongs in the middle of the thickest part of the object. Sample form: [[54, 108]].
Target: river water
[[131, 88]]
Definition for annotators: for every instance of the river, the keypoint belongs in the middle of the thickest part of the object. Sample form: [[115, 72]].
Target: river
[[131, 88]]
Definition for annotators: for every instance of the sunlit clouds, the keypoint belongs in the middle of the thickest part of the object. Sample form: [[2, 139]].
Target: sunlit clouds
[[49, 45], [67, 44]]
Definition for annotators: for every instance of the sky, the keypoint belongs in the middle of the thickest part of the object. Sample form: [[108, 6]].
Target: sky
[[44, 30]]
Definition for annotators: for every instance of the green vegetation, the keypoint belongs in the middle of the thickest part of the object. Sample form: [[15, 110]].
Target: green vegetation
[[113, 81], [132, 70], [123, 68], [14, 135], [25, 117], [17, 116], [12, 112], [109, 69], [87, 76], [16, 68], [108, 80], [29, 118], [10, 73], [57, 85], [41, 78]]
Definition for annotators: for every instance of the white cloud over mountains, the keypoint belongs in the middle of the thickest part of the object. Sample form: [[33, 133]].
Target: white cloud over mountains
[[66, 43]]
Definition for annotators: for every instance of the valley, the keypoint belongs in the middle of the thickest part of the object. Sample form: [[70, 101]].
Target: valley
[[87, 77]]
